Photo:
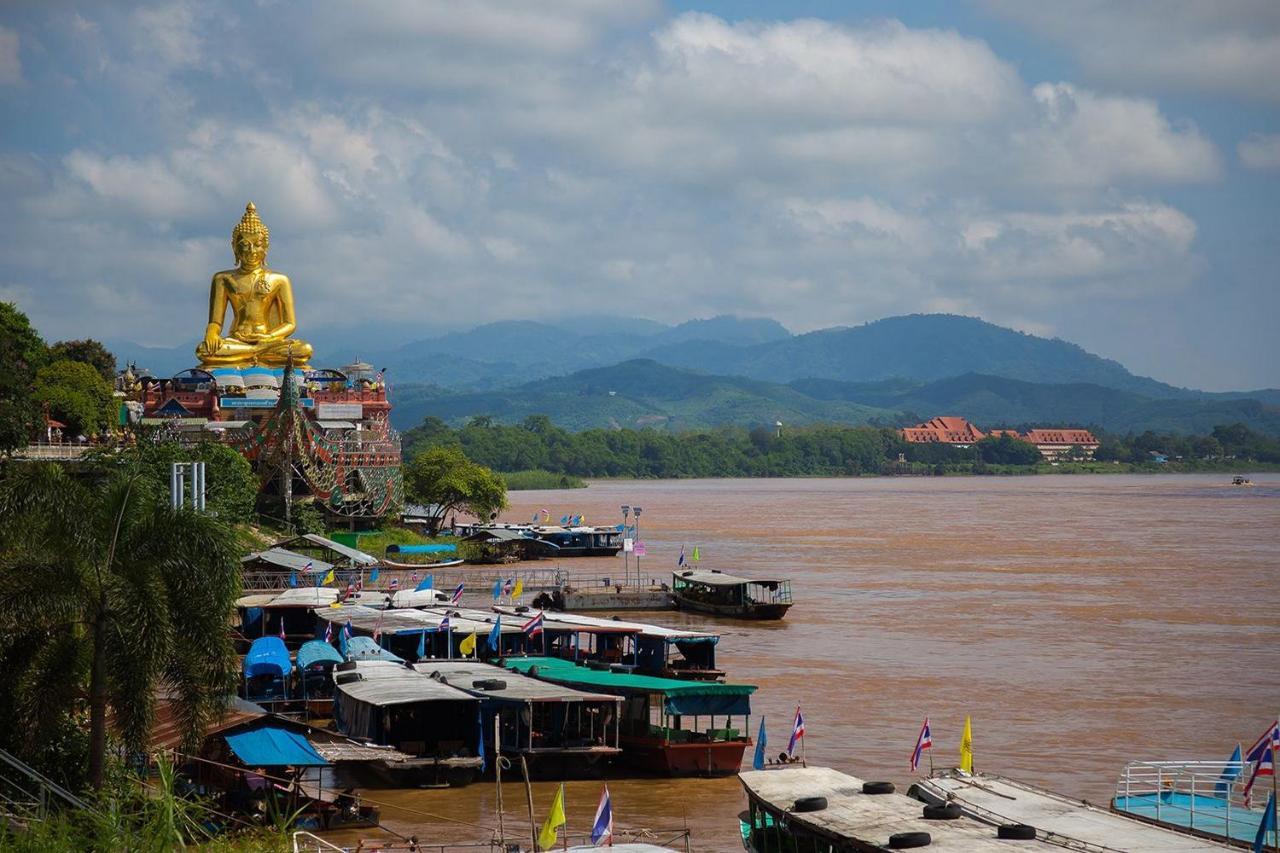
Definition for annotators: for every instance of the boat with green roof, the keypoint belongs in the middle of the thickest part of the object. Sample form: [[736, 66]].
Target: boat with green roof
[[669, 726]]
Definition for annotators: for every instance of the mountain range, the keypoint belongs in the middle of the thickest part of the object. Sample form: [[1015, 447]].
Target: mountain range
[[601, 371]]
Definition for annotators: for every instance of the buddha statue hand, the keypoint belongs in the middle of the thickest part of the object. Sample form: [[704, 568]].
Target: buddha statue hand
[[212, 339]]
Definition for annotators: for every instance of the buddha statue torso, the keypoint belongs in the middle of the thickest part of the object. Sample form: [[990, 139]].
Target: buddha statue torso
[[261, 302]]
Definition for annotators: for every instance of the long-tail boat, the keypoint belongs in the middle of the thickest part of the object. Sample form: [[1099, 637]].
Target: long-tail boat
[[715, 592]]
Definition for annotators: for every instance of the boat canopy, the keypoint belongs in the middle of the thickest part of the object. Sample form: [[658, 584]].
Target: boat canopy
[[714, 578], [445, 548], [679, 697], [469, 676], [317, 651], [383, 684], [267, 656], [274, 747], [286, 559], [304, 596], [364, 648]]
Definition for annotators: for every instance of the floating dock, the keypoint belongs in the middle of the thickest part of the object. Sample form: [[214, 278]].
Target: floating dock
[[852, 820], [1062, 820]]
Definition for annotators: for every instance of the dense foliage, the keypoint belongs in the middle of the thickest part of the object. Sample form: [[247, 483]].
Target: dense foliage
[[804, 451], [105, 594], [22, 353], [231, 489], [73, 392], [87, 351]]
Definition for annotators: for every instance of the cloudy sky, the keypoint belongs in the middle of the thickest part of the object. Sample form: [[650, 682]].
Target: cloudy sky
[[1094, 170]]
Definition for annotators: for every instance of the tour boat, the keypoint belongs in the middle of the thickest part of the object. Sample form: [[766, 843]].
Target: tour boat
[[726, 595], [668, 727]]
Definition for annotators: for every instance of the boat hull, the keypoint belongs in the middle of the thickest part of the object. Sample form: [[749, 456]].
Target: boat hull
[[663, 758], [737, 611]]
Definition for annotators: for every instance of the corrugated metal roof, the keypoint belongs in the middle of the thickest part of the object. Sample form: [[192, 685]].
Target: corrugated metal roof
[[393, 684], [360, 558], [643, 628], [305, 596], [287, 560], [408, 620], [166, 728], [711, 578], [464, 674]]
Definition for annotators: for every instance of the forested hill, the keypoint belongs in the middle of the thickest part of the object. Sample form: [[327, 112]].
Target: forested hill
[[642, 393]]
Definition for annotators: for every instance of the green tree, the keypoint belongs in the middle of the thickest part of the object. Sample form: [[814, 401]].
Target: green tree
[[445, 479], [127, 594], [22, 353], [75, 395], [1007, 450], [231, 489], [87, 351]]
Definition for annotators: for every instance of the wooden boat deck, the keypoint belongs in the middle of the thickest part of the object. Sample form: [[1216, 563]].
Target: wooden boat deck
[[1072, 823], [853, 820]]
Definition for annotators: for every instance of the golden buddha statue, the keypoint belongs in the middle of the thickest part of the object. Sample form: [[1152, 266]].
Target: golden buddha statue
[[261, 307]]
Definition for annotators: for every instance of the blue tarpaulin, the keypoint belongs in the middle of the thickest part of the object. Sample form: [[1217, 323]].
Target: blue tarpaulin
[[267, 656], [364, 648], [272, 747], [422, 549], [317, 651], [704, 705]]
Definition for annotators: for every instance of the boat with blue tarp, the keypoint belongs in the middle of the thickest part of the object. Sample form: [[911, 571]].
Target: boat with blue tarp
[[315, 662], [669, 727], [266, 670]]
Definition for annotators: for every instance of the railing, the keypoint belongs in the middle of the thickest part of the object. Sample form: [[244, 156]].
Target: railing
[[1191, 794], [25, 793], [42, 452], [305, 842]]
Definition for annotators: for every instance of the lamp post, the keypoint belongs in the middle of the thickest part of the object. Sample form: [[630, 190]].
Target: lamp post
[[626, 558], [637, 512]]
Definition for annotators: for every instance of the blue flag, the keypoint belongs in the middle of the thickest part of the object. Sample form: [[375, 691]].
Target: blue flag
[[497, 588], [422, 644], [293, 578], [1233, 771], [1268, 823], [427, 583], [495, 636], [480, 748], [761, 742], [373, 575]]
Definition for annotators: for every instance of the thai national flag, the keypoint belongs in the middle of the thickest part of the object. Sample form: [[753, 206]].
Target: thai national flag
[[306, 567], [282, 626], [534, 626], [328, 632], [1266, 766], [457, 594], [508, 585], [395, 584], [797, 732], [602, 827], [1271, 737], [923, 742], [680, 559], [444, 624]]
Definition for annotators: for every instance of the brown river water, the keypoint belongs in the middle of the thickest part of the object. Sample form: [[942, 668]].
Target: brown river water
[[1083, 622]]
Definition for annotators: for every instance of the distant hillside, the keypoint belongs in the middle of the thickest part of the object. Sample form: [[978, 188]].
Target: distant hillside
[[643, 393], [997, 401], [635, 394]]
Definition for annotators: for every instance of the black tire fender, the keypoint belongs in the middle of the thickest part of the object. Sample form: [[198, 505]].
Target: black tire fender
[[1016, 832], [809, 804], [942, 811], [878, 788], [491, 684], [907, 840]]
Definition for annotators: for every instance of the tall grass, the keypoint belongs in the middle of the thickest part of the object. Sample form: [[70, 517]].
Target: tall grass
[[538, 479]]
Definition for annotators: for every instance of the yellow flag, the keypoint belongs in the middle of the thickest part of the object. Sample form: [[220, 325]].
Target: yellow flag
[[966, 747], [519, 590], [555, 820], [468, 646], [327, 578]]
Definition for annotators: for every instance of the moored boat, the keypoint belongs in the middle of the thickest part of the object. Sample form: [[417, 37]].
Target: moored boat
[[668, 727], [715, 592]]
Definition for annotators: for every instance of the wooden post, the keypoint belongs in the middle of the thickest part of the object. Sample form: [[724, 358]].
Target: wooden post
[[528, 793], [497, 772]]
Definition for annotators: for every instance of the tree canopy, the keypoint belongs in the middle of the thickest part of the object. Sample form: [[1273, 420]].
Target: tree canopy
[[446, 480], [76, 394], [22, 353], [88, 351]]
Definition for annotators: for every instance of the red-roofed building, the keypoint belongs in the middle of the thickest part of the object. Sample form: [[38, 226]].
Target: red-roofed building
[[944, 430], [958, 432]]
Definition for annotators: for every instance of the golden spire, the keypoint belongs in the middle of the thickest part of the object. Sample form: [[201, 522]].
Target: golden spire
[[250, 224]]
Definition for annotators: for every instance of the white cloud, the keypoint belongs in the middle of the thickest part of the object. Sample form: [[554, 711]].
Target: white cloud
[[10, 59], [1228, 46], [1260, 151]]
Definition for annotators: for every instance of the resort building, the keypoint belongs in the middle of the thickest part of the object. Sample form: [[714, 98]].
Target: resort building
[[1052, 442]]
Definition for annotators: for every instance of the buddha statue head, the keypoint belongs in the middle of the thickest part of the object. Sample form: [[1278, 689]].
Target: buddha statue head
[[250, 239]]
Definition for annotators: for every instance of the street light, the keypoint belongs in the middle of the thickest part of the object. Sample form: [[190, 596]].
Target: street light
[[637, 511], [626, 558]]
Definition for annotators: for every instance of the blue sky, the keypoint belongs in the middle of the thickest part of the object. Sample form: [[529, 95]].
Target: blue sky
[[1089, 170]]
